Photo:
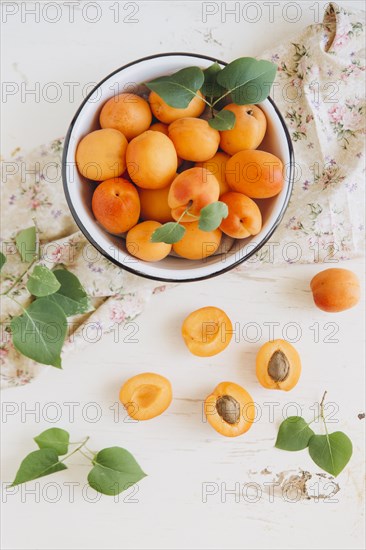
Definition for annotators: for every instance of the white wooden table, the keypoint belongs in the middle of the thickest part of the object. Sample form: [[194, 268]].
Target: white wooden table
[[186, 501]]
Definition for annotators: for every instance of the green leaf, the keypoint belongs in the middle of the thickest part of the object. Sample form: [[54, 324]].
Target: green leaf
[[40, 331], [26, 243], [247, 79], [178, 89], [114, 471], [38, 464], [212, 215], [169, 233], [331, 452], [224, 120], [71, 296], [54, 438], [210, 87], [2, 260], [42, 282], [293, 434]]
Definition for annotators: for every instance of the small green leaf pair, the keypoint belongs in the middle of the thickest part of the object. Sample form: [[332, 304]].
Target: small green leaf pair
[[114, 469], [331, 452], [209, 219], [246, 80]]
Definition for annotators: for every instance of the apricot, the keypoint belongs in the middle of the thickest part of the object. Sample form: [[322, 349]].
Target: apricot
[[128, 113], [207, 331], [193, 188], [278, 365], [138, 243], [154, 204], [163, 112], [197, 244], [146, 395], [244, 218], [116, 205], [230, 409], [160, 127], [151, 160], [249, 129], [335, 289], [217, 166], [101, 155], [257, 174], [194, 139]]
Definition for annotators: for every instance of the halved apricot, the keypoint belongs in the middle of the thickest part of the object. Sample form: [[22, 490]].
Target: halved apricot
[[146, 395], [230, 409], [207, 331], [278, 365]]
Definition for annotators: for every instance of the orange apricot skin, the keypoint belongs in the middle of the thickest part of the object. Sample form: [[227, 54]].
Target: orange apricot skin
[[194, 139], [160, 127], [248, 131], [196, 186], [154, 204], [101, 155], [138, 243], [197, 244], [244, 218], [256, 174], [247, 410], [198, 335], [163, 112], [146, 395], [335, 289], [263, 357], [216, 165], [128, 113], [116, 205]]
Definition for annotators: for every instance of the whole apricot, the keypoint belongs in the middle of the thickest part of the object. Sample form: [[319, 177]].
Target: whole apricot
[[101, 155], [116, 205], [146, 395], [197, 244], [160, 127], [154, 204], [194, 139], [249, 129], [257, 174], [138, 243], [128, 113], [207, 331], [151, 160], [335, 289], [217, 166], [193, 188], [278, 365], [230, 409], [244, 218], [163, 112]]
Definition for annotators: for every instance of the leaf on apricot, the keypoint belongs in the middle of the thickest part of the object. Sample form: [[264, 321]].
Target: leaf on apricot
[[223, 120], [212, 215], [178, 89], [168, 233]]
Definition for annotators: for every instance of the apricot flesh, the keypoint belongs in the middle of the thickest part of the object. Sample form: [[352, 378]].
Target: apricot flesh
[[154, 204], [194, 139], [116, 205], [167, 114], [335, 289], [244, 218], [230, 409], [207, 331], [101, 155], [151, 160], [256, 174], [197, 244], [249, 129], [278, 365], [128, 113], [138, 243], [216, 165], [146, 395]]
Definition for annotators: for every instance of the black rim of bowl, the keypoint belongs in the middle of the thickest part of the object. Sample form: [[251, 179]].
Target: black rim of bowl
[[136, 271]]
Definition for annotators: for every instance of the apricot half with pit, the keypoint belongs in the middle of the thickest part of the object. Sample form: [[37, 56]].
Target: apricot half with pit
[[230, 409], [278, 365], [146, 395], [207, 331]]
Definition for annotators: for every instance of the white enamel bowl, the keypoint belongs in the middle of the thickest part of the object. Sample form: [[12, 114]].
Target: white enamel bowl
[[79, 192]]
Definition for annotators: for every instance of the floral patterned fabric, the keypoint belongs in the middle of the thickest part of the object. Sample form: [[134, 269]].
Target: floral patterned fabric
[[319, 90]]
